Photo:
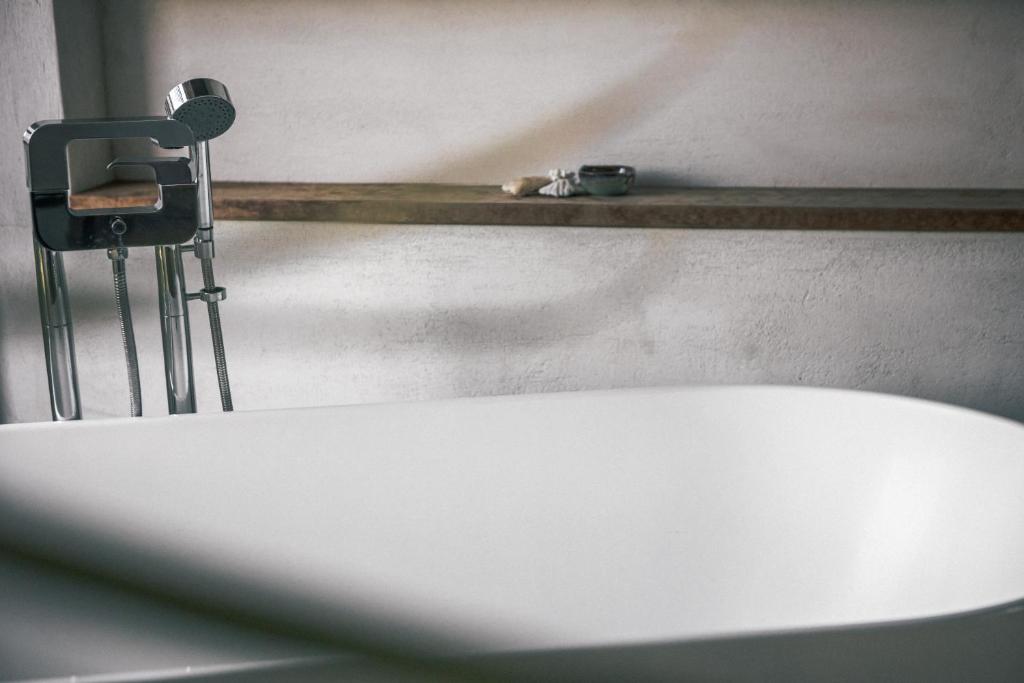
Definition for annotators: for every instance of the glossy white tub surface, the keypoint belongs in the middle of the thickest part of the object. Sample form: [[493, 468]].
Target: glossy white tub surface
[[548, 522]]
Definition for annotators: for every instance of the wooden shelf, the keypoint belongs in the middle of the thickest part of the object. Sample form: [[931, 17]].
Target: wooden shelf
[[717, 208]]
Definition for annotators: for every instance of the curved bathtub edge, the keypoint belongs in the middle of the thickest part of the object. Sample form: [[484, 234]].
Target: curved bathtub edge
[[525, 397], [984, 644]]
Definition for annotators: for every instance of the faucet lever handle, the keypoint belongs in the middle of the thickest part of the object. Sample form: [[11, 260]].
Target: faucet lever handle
[[46, 143], [168, 170]]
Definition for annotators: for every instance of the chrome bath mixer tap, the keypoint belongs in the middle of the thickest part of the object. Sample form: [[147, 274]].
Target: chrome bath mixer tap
[[198, 110]]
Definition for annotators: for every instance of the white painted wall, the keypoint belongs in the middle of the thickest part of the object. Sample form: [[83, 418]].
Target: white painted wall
[[790, 93]]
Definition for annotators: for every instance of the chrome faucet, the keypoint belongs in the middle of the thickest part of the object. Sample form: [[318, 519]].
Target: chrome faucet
[[58, 228], [183, 212]]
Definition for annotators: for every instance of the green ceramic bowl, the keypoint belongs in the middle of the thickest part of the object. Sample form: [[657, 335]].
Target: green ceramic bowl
[[607, 181]]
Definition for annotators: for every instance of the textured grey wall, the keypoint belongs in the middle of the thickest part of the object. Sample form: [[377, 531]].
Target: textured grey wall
[[28, 79], [749, 92], [882, 93], [83, 85], [324, 314]]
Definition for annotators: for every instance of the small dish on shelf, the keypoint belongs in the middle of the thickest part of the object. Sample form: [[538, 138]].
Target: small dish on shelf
[[607, 180]]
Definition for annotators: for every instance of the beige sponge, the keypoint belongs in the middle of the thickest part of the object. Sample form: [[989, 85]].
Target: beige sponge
[[520, 187]]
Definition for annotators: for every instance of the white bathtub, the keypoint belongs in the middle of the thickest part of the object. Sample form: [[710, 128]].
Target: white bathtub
[[727, 533]]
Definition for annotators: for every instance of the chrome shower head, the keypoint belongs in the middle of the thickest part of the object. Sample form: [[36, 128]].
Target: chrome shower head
[[202, 104]]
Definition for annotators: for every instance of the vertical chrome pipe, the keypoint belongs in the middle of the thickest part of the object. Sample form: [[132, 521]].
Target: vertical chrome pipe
[[174, 330], [58, 334], [205, 188], [204, 249]]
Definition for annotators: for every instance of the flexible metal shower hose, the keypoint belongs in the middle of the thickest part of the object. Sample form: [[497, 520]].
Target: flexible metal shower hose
[[124, 316], [219, 357]]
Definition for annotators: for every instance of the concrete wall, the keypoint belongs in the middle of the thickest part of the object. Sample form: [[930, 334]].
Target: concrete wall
[[83, 85], [31, 87], [29, 80], [787, 93], [748, 92]]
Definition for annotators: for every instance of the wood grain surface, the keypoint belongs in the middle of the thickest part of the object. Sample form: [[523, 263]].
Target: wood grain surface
[[714, 208]]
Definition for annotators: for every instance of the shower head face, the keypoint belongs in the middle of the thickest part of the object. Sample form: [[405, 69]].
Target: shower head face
[[202, 104]]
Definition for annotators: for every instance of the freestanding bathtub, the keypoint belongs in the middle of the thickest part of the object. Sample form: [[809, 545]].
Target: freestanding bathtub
[[717, 533]]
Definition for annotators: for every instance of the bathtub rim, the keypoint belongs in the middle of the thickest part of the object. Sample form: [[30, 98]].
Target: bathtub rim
[[529, 397]]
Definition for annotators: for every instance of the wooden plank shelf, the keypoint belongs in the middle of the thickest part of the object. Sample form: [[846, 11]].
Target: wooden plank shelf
[[715, 208]]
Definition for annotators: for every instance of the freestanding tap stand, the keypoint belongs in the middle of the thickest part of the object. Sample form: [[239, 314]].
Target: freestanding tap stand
[[174, 330], [58, 228], [58, 335]]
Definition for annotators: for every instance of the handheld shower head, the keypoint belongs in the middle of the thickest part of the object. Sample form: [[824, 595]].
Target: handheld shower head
[[202, 104]]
